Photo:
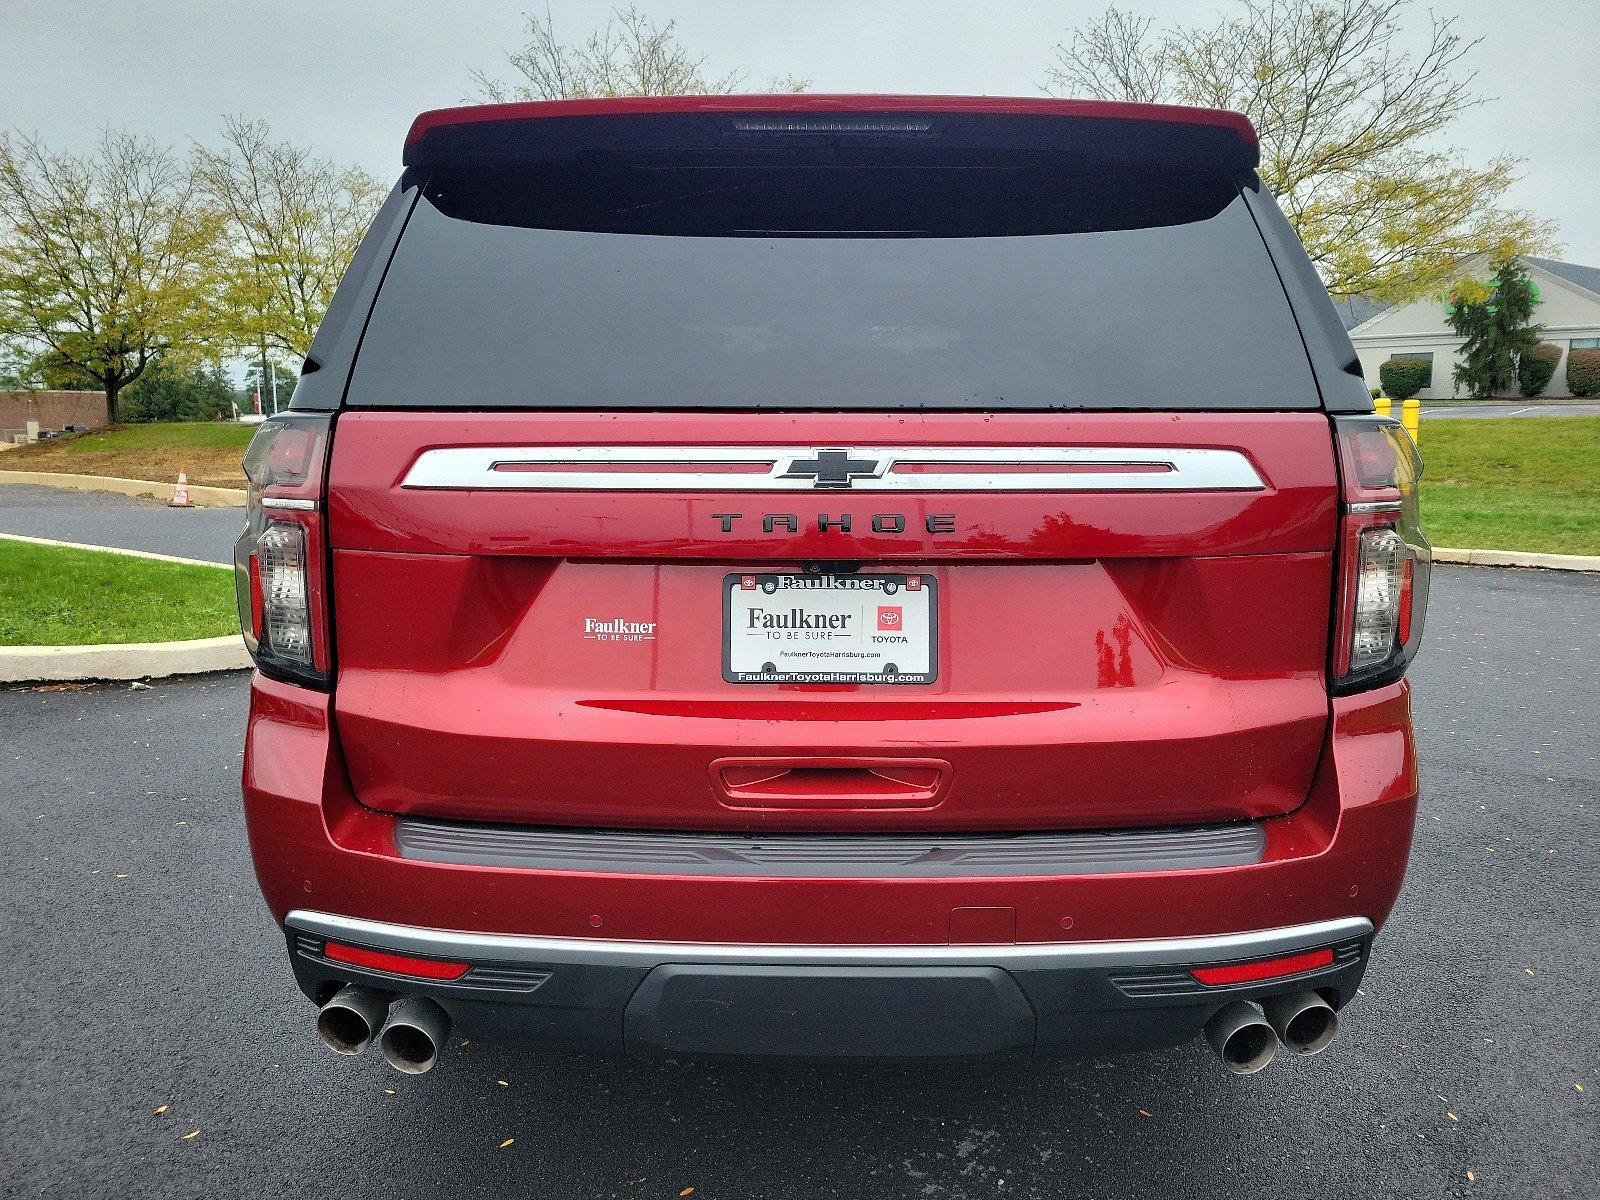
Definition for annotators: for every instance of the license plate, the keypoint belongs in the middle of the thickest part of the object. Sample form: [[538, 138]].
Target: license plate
[[829, 629]]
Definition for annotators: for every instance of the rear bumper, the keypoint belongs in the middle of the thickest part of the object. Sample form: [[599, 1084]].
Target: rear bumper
[[601, 995], [1014, 943]]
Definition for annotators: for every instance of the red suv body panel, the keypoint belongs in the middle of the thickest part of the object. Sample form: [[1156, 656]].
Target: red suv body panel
[[1176, 643], [317, 847]]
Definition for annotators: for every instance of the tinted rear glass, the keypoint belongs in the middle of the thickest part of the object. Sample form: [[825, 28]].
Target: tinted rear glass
[[1009, 287]]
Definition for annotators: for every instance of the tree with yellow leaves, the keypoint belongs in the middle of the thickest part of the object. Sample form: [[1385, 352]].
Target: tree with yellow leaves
[[1349, 122], [107, 260], [292, 223]]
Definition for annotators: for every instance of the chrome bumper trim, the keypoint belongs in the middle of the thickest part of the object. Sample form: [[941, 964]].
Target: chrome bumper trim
[[499, 947]]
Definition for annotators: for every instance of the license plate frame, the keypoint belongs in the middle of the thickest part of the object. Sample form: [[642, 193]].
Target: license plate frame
[[865, 590]]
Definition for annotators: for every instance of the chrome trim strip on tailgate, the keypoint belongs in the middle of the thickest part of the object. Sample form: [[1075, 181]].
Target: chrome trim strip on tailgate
[[798, 468], [831, 856], [501, 947]]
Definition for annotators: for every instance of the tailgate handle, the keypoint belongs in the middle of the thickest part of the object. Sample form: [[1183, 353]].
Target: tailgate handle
[[830, 782]]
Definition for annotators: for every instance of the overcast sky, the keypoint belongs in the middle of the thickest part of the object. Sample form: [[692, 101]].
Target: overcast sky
[[347, 76]]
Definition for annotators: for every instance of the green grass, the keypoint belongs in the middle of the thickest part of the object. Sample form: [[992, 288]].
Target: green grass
[[209, 452], [204, 435], [1526, 483], [58, 596]]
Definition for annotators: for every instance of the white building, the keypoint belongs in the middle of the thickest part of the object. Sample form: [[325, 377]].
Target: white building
[[1568, 311]]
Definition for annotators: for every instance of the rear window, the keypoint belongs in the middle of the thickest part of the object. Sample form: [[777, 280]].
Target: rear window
[[1036, 281]]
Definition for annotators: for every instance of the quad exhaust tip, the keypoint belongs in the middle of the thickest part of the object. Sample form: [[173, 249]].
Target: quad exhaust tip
[[348, 1022], [1242, 1037], [1304, 1021], [414, 1034]]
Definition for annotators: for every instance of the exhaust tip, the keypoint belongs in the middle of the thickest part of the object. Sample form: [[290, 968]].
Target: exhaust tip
[[409, 1050], [1305, 1022], [347, 1023], [414, 1034], [1241, 1036]]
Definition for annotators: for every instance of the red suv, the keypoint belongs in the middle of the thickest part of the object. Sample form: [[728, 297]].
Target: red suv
[[820, 575]]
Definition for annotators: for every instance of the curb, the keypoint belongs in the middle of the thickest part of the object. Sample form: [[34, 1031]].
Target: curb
[[1517, 558], [202, 497], [125, 660], [171, 558]]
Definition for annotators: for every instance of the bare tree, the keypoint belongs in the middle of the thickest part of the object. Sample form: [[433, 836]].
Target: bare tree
[[1348, 121], [106, 261], [1114, 58], [293, 223], [629, 56]]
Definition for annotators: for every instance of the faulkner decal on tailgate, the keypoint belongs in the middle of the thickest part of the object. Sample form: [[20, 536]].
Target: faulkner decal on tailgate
[[829, 629], [615, 629]]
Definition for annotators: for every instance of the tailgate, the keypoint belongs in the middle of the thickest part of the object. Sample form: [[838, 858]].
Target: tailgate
[[1117, 619]]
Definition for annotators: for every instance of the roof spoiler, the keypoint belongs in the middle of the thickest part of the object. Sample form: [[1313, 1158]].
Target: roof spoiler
[[483, 132]]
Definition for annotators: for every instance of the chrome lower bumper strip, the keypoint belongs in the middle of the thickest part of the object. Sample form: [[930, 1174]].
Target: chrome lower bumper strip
[[500, 947]]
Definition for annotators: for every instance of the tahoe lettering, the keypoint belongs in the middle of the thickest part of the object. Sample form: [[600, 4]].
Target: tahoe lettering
[[842, 523]]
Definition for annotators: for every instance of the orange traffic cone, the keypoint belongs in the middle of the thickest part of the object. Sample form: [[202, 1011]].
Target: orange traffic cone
[[180, 493]]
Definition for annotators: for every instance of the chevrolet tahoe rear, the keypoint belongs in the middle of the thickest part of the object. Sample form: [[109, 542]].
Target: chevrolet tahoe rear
[[835, 576]]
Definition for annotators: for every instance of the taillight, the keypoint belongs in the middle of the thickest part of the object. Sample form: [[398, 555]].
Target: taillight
[[1384, 559], [280, 558]]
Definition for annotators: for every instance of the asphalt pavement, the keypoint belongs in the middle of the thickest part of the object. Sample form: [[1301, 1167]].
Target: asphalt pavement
[[127, 522], [154, 1045], [1479, 411]]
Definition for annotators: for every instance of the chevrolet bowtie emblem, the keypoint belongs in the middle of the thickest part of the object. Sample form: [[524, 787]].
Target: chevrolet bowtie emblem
[[834, 468]]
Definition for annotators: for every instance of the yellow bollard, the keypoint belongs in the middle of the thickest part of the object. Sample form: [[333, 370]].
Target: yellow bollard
[[1411, 418], [1381, 404]]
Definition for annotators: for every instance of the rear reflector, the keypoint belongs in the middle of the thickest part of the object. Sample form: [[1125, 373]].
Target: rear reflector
[[1268, 968], [258, 603], [395, 964], [1407, 576]]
